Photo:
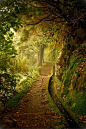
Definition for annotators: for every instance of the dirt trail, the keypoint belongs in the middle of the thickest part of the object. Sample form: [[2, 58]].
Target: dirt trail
[[33, 111]]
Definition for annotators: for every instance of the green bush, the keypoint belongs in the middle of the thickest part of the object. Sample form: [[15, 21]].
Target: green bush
[[14, 102]]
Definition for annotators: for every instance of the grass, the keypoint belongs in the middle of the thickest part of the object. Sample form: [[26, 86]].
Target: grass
[[14, 102]]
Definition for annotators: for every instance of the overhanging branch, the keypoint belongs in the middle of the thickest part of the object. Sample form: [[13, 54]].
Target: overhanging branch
[[38, 21]]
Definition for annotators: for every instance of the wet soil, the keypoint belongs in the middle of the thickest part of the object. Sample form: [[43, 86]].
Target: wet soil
[[33, 111]]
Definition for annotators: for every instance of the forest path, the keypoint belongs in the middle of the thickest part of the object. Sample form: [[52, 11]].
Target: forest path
[[33, 111]]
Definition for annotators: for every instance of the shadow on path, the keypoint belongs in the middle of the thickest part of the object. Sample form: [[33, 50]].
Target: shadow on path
[[33, 111]]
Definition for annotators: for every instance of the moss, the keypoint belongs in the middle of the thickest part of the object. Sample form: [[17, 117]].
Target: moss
[[77, 101], [14, 102], [85, 69], [60, 126], [71, 74], [80, 100], [52, 106], [67, 107], [84, 86], [74, 82]]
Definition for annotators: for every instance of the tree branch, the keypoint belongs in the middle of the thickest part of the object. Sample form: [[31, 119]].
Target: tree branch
[[52, 19], [38, 21]]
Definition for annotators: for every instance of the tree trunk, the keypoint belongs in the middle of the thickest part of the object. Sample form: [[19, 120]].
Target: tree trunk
[[41, 55]]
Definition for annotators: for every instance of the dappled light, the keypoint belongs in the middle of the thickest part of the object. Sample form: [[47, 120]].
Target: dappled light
[[42, 64]]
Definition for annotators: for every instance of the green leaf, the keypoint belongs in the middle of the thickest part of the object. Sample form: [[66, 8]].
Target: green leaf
[[40, 14], [13, 57], [11, 34], [35, 17], [30, 9], [12, 24], [34, 12], [35, 8], [16, 8]]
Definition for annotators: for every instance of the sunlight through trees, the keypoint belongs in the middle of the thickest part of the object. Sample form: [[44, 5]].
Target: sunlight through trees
[[33, 32]]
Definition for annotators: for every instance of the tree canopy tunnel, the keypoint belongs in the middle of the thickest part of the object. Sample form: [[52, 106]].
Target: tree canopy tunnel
[[55, 22], [32, 31]]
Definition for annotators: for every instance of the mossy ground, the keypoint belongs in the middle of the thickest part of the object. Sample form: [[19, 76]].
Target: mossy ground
[[72, 88]]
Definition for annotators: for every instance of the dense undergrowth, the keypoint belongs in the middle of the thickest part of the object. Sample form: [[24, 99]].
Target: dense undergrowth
[[73, 86], [22, 88]]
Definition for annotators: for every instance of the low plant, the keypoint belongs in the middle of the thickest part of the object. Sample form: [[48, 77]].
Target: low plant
[[15, 101], [74, 82]]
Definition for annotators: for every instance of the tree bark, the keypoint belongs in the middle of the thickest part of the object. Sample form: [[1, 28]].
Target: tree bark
[[41, 55]]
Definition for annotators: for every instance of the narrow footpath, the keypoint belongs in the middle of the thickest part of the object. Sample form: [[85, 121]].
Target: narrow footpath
[[33, 111]]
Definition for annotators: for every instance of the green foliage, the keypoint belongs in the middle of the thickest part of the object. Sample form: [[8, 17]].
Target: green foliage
[[85, 69], [34, 11], [7, 50], [74, 82], [71, 72], [7, 79], [19, 66], [53, 55], [10, 22], [7, 82], [67, 107], [77, 102], [14, 102], [32, 75], [60, 126], [24, 35]]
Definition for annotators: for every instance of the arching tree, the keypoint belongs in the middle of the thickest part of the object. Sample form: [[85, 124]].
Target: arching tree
[[71, 15]]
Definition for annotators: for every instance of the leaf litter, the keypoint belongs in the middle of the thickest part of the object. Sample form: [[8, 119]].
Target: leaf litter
[[33, 111]]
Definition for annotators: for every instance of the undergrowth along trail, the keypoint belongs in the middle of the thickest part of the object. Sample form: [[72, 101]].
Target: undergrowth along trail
[[34, 111]]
